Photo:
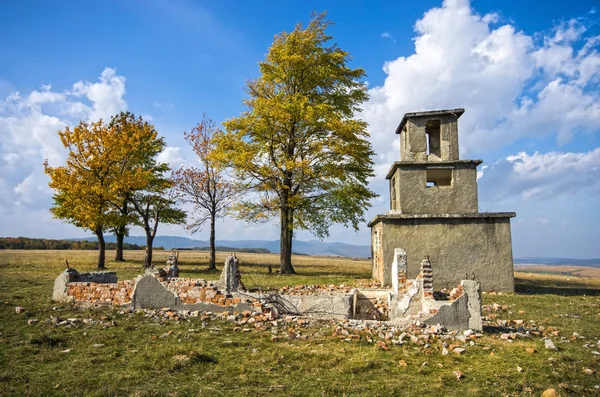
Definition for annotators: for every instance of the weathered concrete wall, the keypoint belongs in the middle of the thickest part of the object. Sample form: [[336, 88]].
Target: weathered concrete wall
[[327, 306], [415, 197], [413, 141], [377, 252], [463, 313], [478, 244]]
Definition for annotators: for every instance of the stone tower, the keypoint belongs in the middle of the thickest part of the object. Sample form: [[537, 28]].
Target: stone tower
[[434, 210]]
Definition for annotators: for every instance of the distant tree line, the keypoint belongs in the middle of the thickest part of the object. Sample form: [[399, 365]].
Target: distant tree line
[[24, 243], [229, 249]]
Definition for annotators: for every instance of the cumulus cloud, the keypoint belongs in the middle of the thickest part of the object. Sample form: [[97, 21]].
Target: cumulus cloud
[[106, 95], [512, 85], [171, 155], [28, 134], [543, 175]]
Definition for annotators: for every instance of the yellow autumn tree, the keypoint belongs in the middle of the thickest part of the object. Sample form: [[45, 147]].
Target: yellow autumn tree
[[102, 164], [298, 144]]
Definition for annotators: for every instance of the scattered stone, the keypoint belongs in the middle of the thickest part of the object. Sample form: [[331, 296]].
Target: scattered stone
[[588, 371], [32, 321], [19, 310], [97, 345], [402, 363], [530, 350], [519, 369], [459, 375], [444, 352], [548, 344], [550, 393], [459, 350]]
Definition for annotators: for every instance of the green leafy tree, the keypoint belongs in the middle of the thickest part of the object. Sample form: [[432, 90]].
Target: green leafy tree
[[298, 144]]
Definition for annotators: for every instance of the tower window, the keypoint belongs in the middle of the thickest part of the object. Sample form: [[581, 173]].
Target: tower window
[[439, 177], [393, 193], [433, 135]]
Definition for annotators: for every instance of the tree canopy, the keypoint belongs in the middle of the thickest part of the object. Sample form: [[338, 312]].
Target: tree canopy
[[298, 144]]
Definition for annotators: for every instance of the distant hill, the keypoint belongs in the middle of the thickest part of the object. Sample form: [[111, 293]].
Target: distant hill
[[312, 247]]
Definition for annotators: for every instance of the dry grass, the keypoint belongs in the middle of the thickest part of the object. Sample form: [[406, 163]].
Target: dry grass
[[563, 270], [213, 360]]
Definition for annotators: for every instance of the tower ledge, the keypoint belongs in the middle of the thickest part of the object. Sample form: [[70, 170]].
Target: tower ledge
[[431, 113], [431, 164], [477, 215]]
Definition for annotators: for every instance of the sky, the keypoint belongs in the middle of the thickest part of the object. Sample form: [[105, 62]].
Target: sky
[[527, 73]]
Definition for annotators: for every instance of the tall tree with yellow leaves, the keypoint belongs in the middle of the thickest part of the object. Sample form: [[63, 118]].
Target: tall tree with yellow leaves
[[298, 145], [102, 164], [146, 150]]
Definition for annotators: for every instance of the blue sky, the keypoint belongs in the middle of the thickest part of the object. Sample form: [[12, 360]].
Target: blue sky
[[527, 74]]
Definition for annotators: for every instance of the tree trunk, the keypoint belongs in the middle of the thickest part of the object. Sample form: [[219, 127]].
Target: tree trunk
[[212, 264], [120, 234], [121, 231], [101, 249], [287, 232], [149, 242]]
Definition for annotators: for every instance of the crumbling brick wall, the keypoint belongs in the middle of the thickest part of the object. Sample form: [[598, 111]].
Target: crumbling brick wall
[[117, 294], [192, 291], [188, 290]]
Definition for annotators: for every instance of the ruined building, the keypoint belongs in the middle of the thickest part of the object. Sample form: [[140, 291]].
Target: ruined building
[[434, 213]]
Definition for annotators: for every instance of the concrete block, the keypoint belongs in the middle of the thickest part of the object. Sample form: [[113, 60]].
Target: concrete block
[[149, 293]]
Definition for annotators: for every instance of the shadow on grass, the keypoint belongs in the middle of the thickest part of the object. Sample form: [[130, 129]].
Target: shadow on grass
[[555, 287]]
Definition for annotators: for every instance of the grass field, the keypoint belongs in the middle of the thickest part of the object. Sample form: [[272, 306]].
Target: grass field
[[200, 357], [562, 270]]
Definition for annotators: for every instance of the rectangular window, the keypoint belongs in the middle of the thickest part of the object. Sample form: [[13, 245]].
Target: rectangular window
[[439, 177], [433, 135]]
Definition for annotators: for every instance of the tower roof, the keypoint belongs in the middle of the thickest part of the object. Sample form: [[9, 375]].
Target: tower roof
[[457, 112]]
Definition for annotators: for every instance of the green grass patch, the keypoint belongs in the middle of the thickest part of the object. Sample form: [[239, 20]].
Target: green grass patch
[[197, 358]]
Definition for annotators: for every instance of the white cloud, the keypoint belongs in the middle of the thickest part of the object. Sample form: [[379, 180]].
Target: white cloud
[[387, 35], [511, 84], [28, 135], [106, 95], [172, 156], [541, 176]]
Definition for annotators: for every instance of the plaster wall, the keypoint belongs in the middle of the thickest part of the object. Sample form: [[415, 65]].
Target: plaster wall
[[415, 197], [456, 246], [413, 141], [377, 252]]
